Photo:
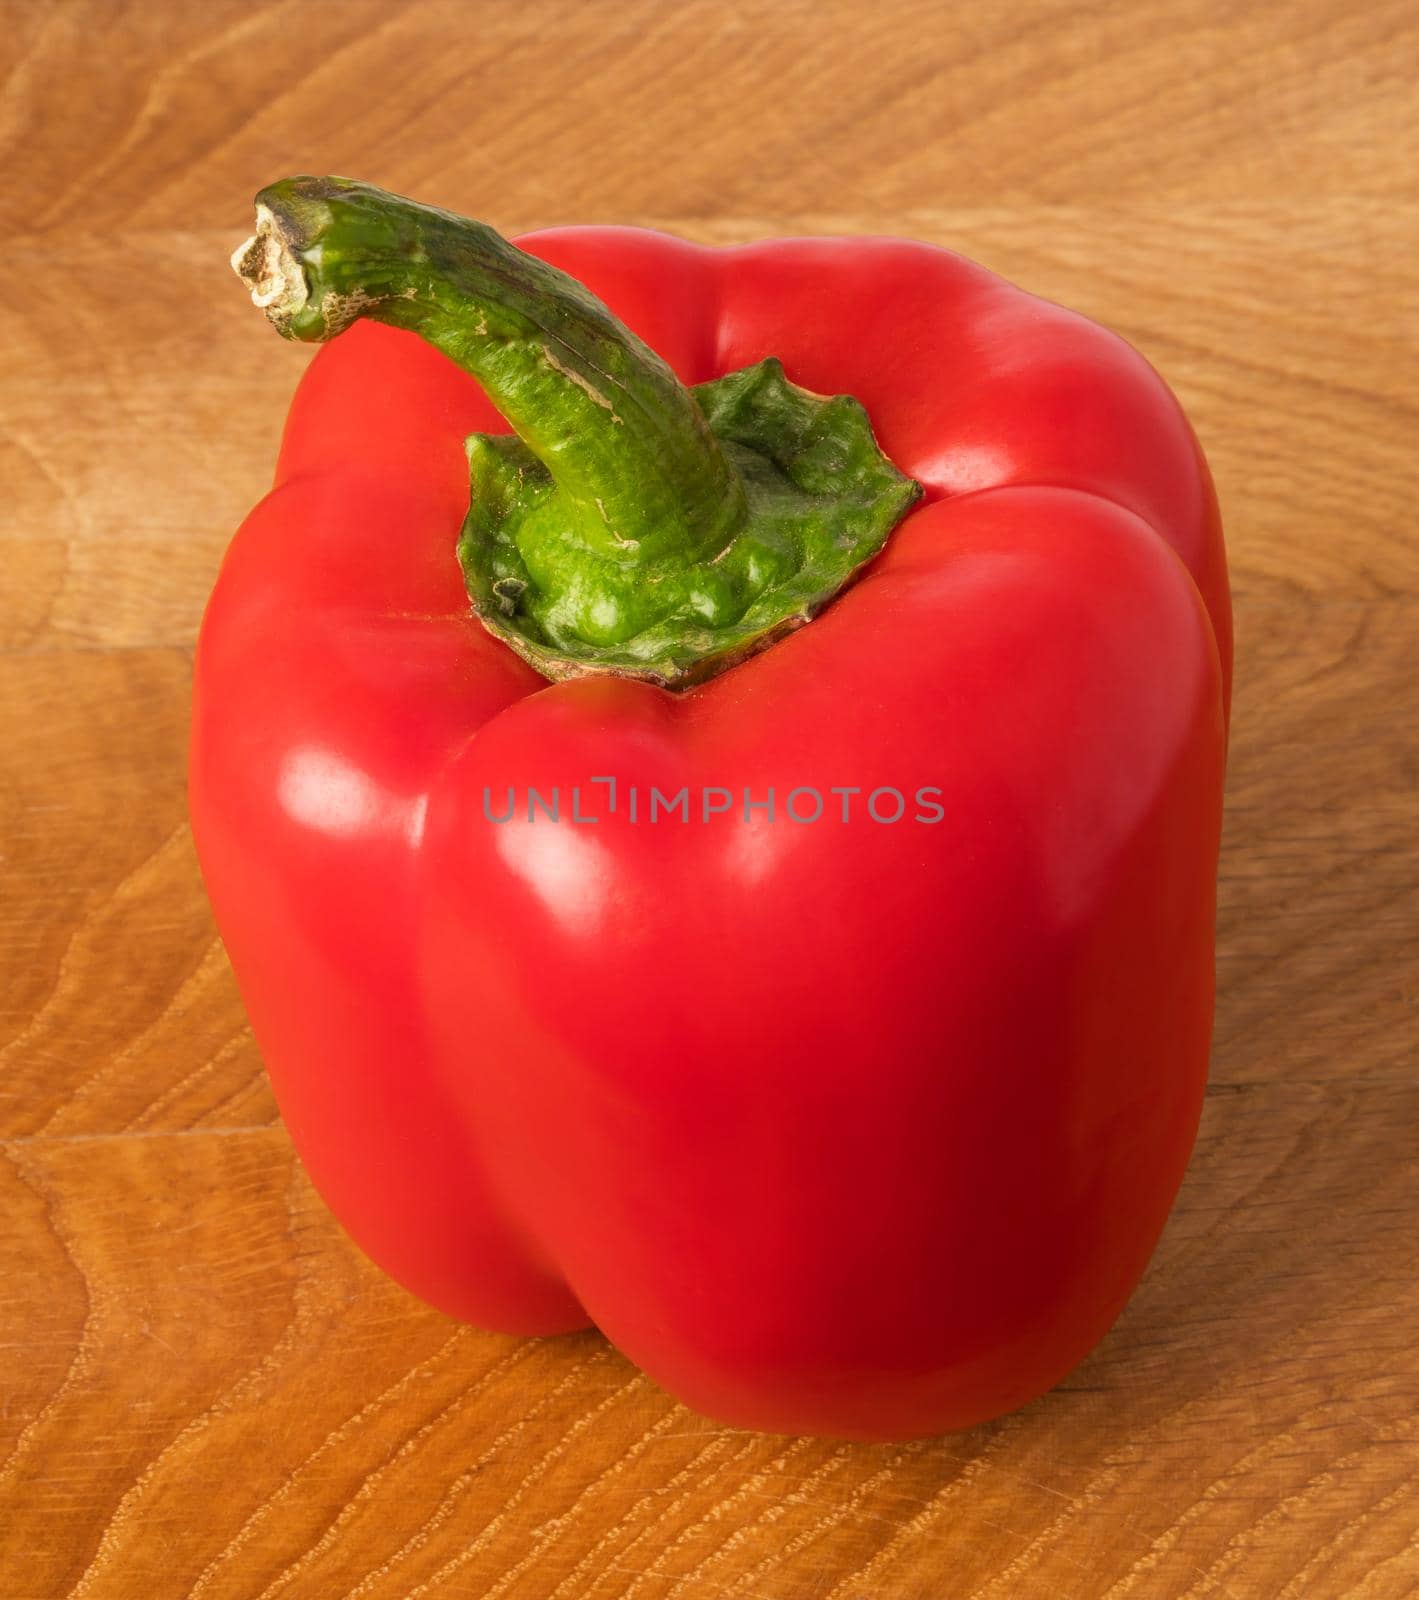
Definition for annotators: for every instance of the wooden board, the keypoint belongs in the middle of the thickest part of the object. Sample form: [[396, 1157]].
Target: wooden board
[[204, 1392]]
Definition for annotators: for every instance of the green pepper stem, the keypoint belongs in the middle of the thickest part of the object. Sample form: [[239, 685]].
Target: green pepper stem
[[632, 526], [622, 437]]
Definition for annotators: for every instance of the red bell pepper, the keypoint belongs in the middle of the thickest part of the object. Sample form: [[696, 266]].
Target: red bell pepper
[[837, 1124]]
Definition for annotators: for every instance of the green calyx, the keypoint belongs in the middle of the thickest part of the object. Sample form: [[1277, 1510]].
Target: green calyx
[[820, 501], [630, 524]]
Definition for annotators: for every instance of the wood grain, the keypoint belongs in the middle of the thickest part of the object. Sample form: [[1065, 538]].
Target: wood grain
[[204, 1390]]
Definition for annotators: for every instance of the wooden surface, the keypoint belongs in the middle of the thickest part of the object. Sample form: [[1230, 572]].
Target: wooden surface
[[203, 1391]]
